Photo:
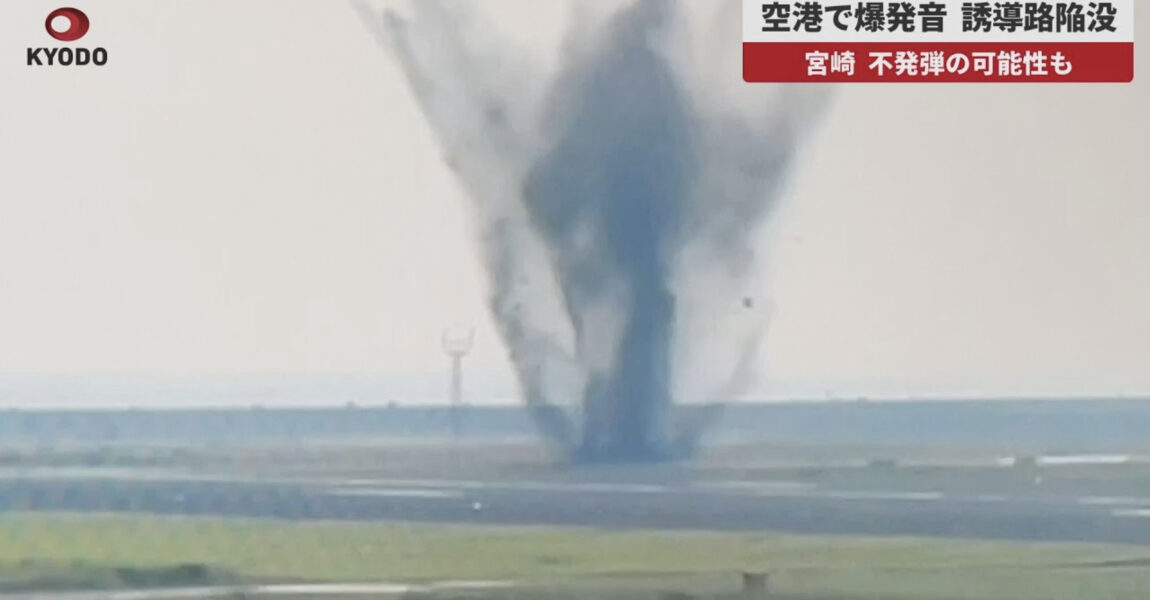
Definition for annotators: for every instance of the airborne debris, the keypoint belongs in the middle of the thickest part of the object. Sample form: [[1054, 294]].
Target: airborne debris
[[619, 197]]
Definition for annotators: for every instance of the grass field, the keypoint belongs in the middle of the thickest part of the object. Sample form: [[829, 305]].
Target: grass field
[[48, 547]]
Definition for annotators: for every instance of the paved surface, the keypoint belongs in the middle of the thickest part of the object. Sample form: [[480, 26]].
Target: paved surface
[[714, 506]]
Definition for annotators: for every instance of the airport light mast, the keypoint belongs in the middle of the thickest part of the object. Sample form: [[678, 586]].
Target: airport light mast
[[457, 343]]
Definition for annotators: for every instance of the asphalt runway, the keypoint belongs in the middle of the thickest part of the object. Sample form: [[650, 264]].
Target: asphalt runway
[[692, 507]]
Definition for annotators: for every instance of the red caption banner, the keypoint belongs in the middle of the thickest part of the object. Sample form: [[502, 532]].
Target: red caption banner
[[938, 42]]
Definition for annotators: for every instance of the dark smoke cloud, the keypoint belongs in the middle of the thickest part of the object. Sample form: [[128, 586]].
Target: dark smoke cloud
[[619, 198]]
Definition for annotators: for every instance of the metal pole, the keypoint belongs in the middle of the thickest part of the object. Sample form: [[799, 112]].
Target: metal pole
[[456, 345], [456, 394]]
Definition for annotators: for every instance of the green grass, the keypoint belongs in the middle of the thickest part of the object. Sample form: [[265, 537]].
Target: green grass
[[863, 568]]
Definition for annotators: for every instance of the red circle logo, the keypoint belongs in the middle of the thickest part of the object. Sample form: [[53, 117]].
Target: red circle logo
[[77, 24]]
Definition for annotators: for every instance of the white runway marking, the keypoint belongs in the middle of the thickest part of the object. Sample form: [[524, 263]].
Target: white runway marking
[[1067, 460], [912, 496], [1113, 501], [1085, 459], [1137, 513], [855, 495], [393, 493]]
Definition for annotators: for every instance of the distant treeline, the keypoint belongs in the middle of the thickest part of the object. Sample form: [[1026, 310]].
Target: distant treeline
[[1079, 423]]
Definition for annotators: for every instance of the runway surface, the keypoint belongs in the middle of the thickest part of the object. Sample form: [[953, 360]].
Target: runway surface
[[730, 506]]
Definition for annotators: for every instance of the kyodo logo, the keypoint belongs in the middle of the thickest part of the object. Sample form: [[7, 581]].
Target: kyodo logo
[[67, 25]]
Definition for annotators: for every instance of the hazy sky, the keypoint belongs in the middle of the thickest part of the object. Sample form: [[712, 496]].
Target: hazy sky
[[247, 187]]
